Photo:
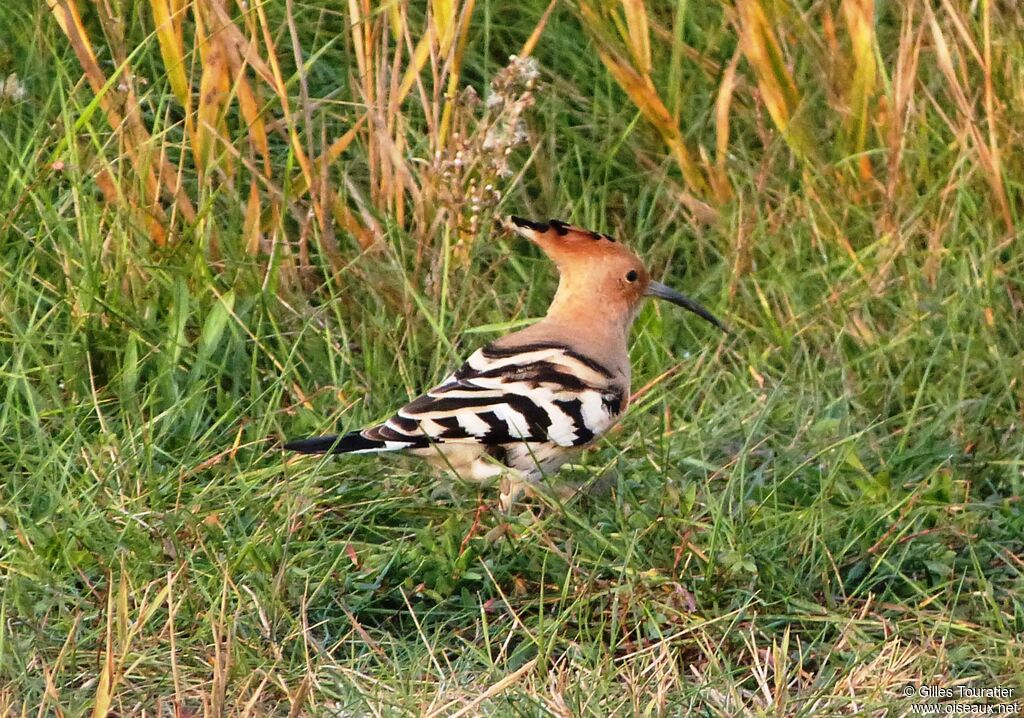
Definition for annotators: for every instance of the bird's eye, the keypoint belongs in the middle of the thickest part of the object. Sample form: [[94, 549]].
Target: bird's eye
[[632, 276]]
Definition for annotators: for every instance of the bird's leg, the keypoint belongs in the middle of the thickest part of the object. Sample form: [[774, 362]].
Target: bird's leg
[[565, 490], [513, 485]]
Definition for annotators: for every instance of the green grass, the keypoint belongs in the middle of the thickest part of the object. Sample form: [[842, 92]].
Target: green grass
[[800, 519]]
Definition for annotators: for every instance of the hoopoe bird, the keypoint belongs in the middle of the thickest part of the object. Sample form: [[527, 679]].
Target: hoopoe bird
[[524, 404]]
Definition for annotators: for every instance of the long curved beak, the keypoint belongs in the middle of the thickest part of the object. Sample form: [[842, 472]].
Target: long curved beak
[[659, 290]]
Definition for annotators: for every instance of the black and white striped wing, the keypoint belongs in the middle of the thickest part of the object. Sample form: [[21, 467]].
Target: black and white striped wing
[[501, 396]]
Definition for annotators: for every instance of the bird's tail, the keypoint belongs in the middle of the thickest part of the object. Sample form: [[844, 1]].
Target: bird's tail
[[352, 443]]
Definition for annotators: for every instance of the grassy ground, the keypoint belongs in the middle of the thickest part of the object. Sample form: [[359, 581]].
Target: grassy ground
[[798, 519]]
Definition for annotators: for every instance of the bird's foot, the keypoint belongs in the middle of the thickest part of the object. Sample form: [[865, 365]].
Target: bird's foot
[[443, 490], [512, 487]]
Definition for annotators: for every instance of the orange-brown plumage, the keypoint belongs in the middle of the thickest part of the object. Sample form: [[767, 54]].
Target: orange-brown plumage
[[601, 286]]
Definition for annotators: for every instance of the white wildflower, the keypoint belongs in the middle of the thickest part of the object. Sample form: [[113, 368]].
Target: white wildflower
[[11, 88]]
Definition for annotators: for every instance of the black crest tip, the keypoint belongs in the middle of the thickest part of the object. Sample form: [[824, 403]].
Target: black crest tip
[[529, 224]]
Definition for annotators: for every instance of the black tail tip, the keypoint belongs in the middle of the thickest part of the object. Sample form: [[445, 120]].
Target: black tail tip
[[312, 445], [353, 442]]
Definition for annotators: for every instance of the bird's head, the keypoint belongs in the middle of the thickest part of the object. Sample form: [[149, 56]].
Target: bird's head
[[597, 273]]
